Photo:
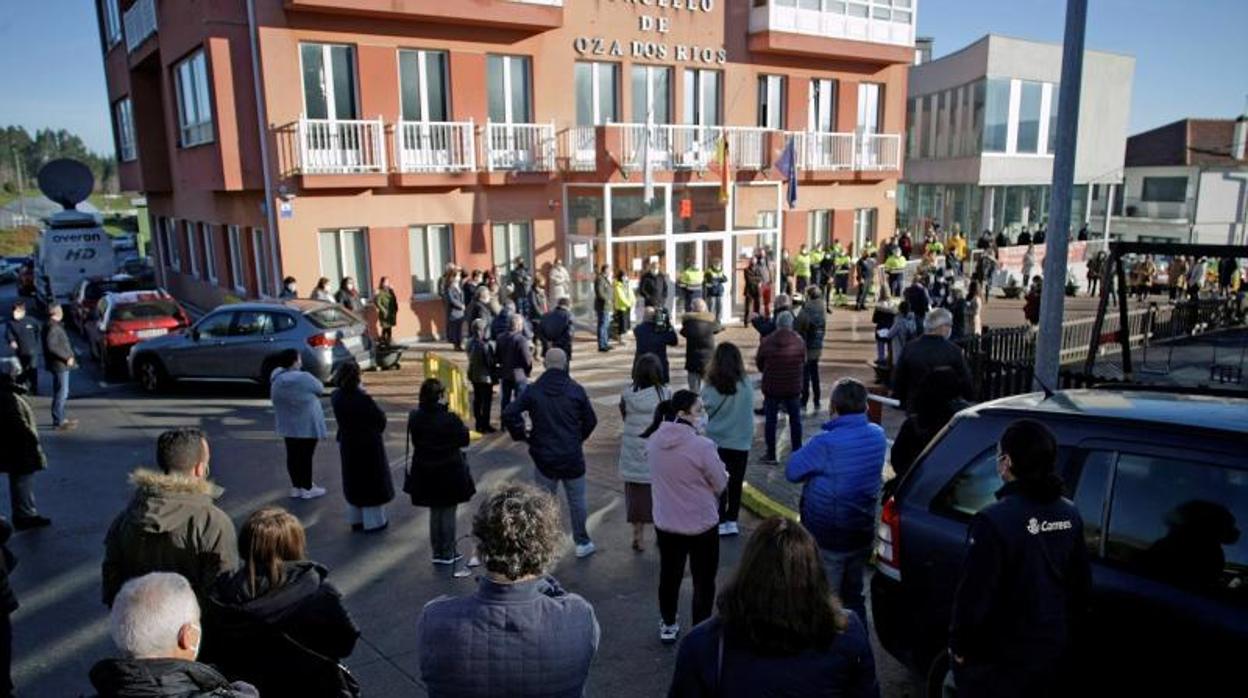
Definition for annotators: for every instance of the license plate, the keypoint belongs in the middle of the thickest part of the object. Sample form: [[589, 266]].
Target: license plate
[[353, 343], [148, 334]]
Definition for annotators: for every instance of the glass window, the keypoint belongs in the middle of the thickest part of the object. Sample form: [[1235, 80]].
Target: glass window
[[1170, 189], [913, 124], [652, 89], [328, 81], [977, 117], [430, 247], [194, 106], [942, 125], [210, 251], [996, 114], [215, 325], [771, 98], [192, 247], [1179, 521], [260, 259], [511, 241], [586, 212], [174, 260], [1029, 117], [822, 107], [344, 253], [972, 489], [236, 257], [819, 228], [252, 323], [702, 97], [597, 93], [1089, 496], [631, 216], [112, 23], [1056, 91], [865, 220], [509, 80], [125, 130], [695, 209], [423, 81]]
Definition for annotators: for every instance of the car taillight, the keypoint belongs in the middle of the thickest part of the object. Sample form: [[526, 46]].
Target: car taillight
[[887, 540], [324, 340]]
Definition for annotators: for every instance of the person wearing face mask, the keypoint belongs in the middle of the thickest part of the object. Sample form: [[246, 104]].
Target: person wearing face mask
[[155, 624], [687, 477], [349, 296], [388, 312], [23, 335], [299, 419], [290, 288]]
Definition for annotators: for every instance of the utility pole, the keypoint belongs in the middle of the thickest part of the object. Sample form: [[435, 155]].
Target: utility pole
[[1053, 299], [21, 186]]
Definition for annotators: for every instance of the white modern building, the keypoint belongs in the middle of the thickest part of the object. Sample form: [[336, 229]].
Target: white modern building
[[981, 127], [1183, 182]]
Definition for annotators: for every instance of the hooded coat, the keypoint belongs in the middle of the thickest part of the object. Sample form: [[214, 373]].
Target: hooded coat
[[686, 479], [163, 678], [170, 525], [366, 480], [638, 407], [288, 640], [297, 411], [21, 454], [562, 419]]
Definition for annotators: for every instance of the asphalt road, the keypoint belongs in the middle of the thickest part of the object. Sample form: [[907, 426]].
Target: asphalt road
[[61, 628]]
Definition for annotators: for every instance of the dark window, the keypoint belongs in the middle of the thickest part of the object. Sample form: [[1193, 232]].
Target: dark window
[[332, 318], [283, 322], [216, 325], [1173, 189], [973, 488], [253, 323], [1090, 495], [147, 310], [1180, 522]]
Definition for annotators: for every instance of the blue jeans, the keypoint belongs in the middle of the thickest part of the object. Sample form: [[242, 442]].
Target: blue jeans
[[715, 305], [574, 488], [604, 328], [845, 577], [60, 394], [771, 408], [510, 389]]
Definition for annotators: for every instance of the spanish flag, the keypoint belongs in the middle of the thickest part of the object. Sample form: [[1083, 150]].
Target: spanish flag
[[721, 159]]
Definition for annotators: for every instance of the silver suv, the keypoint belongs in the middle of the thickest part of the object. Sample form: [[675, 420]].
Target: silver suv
[[241, 342]]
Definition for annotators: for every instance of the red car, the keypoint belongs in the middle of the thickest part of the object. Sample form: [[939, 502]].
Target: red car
[[125, 319], [80, 311]]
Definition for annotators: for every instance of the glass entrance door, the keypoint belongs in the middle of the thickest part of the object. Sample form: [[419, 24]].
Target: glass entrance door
[[584, 257]]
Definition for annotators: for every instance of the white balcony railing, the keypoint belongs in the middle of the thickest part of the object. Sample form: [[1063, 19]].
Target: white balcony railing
[[332, 146], [436, 146], [580, 148], [747, 147], [672, 147], [878, 151], [876, 21], [520, 147], [140, 23], [823, 152]]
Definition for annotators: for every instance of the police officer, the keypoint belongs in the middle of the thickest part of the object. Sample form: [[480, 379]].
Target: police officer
[[1026, 578], [22, 333]]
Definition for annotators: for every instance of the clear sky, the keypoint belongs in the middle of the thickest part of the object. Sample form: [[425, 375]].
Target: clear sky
[[1190, 58]]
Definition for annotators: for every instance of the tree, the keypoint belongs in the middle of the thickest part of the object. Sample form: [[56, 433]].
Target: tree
[[48, 145]]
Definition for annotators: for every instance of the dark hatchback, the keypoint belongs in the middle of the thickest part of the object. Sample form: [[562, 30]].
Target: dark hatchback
[[1161, 481]]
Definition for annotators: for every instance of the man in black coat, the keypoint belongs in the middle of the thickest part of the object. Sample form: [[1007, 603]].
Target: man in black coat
[[655, 287], [1025, 581], [562, 419], [22, 333], [699, 329], [521, 285], [604, 302], [515, 361], [556, 327], [650, 339], [58, 358], [928, 353], [21, 456]]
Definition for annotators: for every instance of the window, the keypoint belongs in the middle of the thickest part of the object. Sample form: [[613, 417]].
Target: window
[[260, 263], [819, 228], [771, 100], [942, 125], [977, 117], [235, 245], [972, 489], [252, 323], [112, 23], [914, 122], [169, 244], [1029, 117], [429, 249], [870, 109], [194, 105], [192, 252], [344, 253], [996, 114], [423, 86], [509, 82], [597, 93], [1170, 189], [1089, 496], [1055, 93], [1178, 521], [511, 241], [215, 325], [821, 109], [864, 226], [702, 90], [210, 251], [124, 123], [652, 90], [328, 81]]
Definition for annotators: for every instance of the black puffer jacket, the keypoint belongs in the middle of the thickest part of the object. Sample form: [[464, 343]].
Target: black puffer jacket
[[272, 637], [436, 469], [163, 678]]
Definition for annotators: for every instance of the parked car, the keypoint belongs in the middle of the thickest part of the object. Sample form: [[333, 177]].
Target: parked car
[[124, 319], [81, 309], [1161, 481], [140, 268], [240, 343]]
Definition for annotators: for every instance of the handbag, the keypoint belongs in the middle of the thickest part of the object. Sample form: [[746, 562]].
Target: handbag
[[347, 685]]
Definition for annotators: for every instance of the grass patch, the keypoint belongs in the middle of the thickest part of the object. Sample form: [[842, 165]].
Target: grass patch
[[18, 241]]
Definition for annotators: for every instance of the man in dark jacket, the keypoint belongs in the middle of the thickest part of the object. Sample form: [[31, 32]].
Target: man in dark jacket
[[515, 361], [562, 419], [604, 300], [841, 470], [699, 329], [780, 359], [753, 278], [22, 333], [917, 296], [58, 359], [765, 325], [541, 639], [714, 282], [156, 626], [521, 286], [21, 456], [926, 354], [811, 324], [655, 287], [479, 308], [482, 363], [172, 523], [1025, 581], [650, 339], [556, 327]]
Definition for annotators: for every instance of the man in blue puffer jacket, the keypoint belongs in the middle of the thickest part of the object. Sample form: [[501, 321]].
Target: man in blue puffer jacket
[[841, 470]]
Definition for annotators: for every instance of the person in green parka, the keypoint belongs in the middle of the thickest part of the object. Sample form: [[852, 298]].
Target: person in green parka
[[387, 309]]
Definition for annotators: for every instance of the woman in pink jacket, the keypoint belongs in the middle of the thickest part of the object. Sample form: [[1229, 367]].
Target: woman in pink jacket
[[686, 477]]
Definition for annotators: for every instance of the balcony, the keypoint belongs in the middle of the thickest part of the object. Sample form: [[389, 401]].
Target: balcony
[[520, 147], [522, 15], [140, 23], [878, 32], [692, 148], [578, 149], [846, 152], [878, 152], [436, 147], [328, 146]]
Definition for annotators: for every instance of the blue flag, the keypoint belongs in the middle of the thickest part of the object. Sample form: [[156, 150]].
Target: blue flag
[[787, 164]]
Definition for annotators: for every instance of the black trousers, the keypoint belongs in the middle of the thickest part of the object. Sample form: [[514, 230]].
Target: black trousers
[[299, 454], [482, 401], [621, 323], [810, 382], [702, 553], [730, 500]]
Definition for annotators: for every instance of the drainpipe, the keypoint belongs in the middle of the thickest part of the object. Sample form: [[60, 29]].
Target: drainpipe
[[262, 112]]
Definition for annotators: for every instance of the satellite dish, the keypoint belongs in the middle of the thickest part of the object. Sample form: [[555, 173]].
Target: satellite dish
[[66, 182]]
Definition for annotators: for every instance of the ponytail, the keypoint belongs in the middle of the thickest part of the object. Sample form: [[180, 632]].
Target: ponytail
[[682, 401]]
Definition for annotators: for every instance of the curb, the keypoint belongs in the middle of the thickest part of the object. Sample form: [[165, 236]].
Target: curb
[[764, 506]]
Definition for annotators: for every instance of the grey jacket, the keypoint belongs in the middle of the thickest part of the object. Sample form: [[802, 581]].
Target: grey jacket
[[540, 639]]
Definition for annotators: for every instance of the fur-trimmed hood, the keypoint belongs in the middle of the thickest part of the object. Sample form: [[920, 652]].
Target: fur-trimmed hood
[[165, 502]]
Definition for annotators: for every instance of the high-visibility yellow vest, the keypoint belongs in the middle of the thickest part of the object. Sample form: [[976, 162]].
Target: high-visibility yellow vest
[[624, 299], [816, 257], [692, 277], [895, 263], [801, 265]]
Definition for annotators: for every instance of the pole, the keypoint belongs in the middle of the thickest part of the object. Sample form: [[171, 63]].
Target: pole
[[1052, 300], [1109, 213], [21, 187]]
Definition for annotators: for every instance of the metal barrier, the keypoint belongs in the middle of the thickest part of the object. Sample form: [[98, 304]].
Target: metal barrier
[[578, 148]]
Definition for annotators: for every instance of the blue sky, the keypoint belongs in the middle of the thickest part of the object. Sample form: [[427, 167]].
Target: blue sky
[[1189, 54]]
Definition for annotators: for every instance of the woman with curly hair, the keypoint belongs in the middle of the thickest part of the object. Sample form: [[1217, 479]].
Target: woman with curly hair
[[779, 629], [541, 639]]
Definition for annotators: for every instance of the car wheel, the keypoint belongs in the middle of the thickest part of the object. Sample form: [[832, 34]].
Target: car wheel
[[939, 679], [150, 374]]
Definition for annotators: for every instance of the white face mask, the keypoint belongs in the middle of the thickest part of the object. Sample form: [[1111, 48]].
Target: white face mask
[[700, 423]]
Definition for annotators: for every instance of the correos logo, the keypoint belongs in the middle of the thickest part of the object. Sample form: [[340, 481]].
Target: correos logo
[[1035, 526]]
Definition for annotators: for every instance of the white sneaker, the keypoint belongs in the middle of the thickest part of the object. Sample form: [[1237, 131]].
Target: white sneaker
[[474, 561], [296, 493], [668, 633], [586, 550], [314, 492], [448, 560], [728, 528]]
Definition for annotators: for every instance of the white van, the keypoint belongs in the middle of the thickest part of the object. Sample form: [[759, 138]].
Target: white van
[[72, 247]]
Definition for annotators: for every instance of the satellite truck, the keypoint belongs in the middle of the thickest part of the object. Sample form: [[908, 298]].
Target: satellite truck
[[73, 245]]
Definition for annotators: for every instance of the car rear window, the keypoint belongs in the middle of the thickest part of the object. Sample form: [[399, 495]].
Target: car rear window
[[146, 310], [332, 318]]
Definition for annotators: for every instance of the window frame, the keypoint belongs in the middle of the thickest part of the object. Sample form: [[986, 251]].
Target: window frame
[[694, 112], [651, 91], [769, 86], [422, 85], [191, 252], [123, 121], [233, 241], [210, 251], [200, 130], [110, 12], [364, 280], [433, 274], [814, 236], [596, 90], [509, 255], [814, 101], [507, 72]]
